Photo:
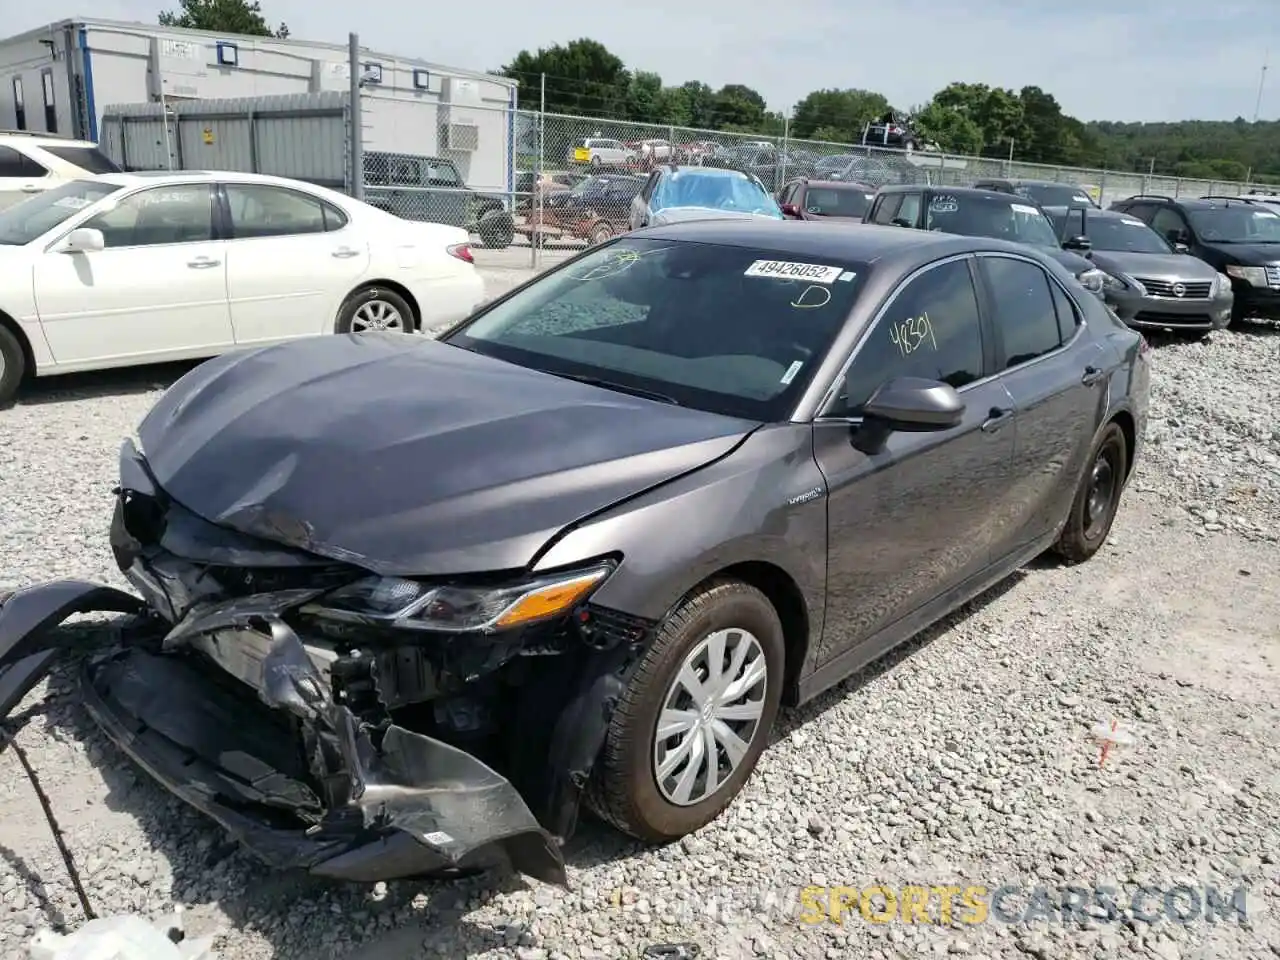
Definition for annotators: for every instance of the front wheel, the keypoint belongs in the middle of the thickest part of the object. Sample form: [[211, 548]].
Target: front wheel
[[374, 308], [600, 233], [694, 717], [13, 366], [496, 229], [1097, 497]]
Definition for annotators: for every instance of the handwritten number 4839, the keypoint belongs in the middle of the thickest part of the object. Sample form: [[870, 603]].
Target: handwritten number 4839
[[911, 334]]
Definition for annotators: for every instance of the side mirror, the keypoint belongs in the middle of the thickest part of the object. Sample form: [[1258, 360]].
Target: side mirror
[[915, 405], [790, 210], [900, 222], [1181, 247], [1077, 243], [83, 240]]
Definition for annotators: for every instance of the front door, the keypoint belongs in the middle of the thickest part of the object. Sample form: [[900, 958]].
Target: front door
[[157, 292], [911, 521], [1058, 388], [291, 259]]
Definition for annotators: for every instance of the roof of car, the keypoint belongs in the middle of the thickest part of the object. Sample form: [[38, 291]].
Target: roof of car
[[836, 184], [1058, 210], [955, 192], [706, 171], [1192, 203], [138, 177], [860, 242]]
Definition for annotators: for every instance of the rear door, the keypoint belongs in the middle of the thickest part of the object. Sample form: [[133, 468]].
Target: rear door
[[291, 260], [1055, 374]]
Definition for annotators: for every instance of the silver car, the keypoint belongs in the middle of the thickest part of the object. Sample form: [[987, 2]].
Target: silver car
[[675, 193], [1150, 284]]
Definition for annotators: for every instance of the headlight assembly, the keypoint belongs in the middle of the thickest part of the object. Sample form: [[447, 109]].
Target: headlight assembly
[[1099, 281], [1254, 276], [409, 604]]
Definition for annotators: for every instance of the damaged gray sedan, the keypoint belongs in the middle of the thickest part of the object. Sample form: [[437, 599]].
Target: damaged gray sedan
[[402, 604]]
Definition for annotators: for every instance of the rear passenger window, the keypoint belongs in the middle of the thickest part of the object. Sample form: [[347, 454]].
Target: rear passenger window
[[887, 208], [1068, 316], [1025, 313]]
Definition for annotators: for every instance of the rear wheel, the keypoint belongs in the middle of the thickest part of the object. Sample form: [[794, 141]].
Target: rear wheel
[[374, 308], [13, 365], [496, 229], [1097, 497], [694, 717], [600, 233]]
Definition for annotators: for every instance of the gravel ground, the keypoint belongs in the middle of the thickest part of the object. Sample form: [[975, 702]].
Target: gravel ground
[[967, 759]]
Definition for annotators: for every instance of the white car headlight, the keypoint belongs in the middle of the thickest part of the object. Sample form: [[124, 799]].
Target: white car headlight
[[1254, 276], [409, 604], [1099, 281]]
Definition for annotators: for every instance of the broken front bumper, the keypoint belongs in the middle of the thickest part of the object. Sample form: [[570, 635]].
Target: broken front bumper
[[408, 805]]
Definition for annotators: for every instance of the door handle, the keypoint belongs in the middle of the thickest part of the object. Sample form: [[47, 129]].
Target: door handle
[[1091, 376], [997, 417], [342, 253], [202, 263], [31, 188]]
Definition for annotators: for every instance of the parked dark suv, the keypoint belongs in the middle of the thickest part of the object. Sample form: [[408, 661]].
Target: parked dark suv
[[1238, 236], [431, 188]]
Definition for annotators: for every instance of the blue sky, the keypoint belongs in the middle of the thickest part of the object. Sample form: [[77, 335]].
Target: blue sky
[[1102, 59]]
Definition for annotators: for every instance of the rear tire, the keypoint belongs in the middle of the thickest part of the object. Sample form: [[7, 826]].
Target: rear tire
[[1097, 497], [599, 234], [374, 308], [13, 366], [624, 789], [496, 229]]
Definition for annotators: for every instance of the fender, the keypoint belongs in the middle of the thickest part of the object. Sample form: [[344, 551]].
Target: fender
[[29, 643]]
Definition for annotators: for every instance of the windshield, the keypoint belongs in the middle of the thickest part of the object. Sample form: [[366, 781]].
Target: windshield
[[1115, 234], [999, 218], [1236, 225], [835, 202], [694, 188], [34, 217], [727, 329], [1053, 194]]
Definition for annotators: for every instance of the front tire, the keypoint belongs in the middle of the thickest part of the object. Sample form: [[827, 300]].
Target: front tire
[[374, 308], [1097, 498], [496, 229], [13, 366], [695, 715], [600, 233]]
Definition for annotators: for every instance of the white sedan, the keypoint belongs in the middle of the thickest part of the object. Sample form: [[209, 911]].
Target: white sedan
[[124, 269]]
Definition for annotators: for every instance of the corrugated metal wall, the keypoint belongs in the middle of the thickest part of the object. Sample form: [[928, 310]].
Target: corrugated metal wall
[[304, 136]]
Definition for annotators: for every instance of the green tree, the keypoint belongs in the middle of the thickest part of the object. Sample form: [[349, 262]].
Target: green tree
[[701, 103], [644, 101], [739, 106], [997, 112], [952, 130], [582, 77], [837, 110], [222, 16]]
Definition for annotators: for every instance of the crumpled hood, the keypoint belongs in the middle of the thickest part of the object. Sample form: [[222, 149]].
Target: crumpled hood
[[408, 456], [1172, 265], [677, 214]]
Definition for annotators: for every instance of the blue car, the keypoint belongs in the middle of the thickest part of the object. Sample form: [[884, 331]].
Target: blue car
[[674, 193]]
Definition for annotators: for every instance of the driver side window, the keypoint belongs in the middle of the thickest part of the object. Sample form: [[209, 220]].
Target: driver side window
[[1168, 223], [931, 329]]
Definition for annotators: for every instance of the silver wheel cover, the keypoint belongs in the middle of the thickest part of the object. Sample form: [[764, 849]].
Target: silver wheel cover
[[710, 716], [377, 315]]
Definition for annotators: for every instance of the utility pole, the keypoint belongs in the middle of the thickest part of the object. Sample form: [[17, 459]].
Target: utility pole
[[1262, 82]]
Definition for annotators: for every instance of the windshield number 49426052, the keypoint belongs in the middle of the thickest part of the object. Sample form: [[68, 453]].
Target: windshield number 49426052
[[910, 334]]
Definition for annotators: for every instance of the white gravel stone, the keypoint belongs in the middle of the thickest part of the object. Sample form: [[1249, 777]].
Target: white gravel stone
[[967, 759]]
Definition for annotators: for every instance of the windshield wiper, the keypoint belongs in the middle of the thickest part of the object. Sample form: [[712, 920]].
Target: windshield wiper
[[620, 387]]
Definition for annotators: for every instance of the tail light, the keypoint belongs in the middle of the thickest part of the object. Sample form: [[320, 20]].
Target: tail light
[[462, 251]]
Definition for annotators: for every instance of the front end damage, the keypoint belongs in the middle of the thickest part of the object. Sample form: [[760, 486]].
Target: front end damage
[[323, 739]]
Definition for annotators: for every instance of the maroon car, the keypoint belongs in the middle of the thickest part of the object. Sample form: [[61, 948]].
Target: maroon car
[[805, 199]]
